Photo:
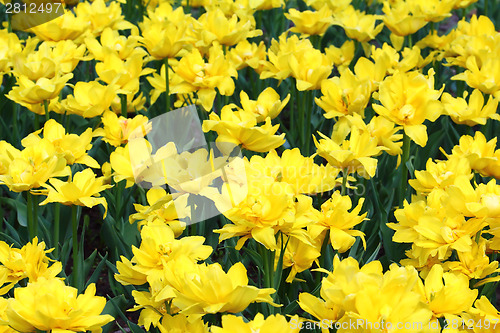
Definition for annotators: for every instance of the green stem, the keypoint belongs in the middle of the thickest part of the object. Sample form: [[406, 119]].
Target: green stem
[[410, 41], [37, 122], [123, 104], [293, 104], [46, 108], [404, 169], [264, 253], [268, 267], [167, 85], [15, 127], [120, 187], [325, 257], [309, 110], [300, 124], [344, 181], [57, 214], [74, 223], [1, 211], [478, 236], [9, 24], [32, 217], [259, 21]]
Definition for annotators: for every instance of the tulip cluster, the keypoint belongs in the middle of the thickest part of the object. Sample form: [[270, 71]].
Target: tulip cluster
[[250, 166]]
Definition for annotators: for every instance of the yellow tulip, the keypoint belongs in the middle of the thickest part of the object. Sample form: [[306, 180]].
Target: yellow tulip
[[380, 299], [118, 130], [67, 26], [357, 24], [152, 309], [309, 69], [310, 22], [374, 72], [124, 73], [214, 26], [482, 312], [35, 64], [158, 246], [475, 264], [203, 77], [342, 56], [44, 89], [122, 166], [367, 296], [483, 75], [402, 17], [449, 297], [403, 61], [265, 4], [301, 172], [268, 104], [440, 174], [411, 109], [480, 202], [355, 154], [481, 154], [102, 15], [54, 105], [182, 323], [165, 39], [90, 99], [159, 84], [111, 40], [273, 323], [278, 64], [435, 10], [336, 218], [335, 5], [192, 172], [33, 166], [82, 190], [344, 95], [298, 256], [222, 292], [7, 154], [9, 45], [163, 209], [240, 128], [382, 129], [72, 146], [135, 103], [164, 11], [246, 54], [30, 261], [50, 305], [435, 229], [266, 207], [472, 113], [477, 38]]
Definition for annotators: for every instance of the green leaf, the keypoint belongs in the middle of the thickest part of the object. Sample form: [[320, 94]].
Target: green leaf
[[279, 268], [15, 239], [89, 262], [373, 256], [114, 307], [95, 275], [19, 204]]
